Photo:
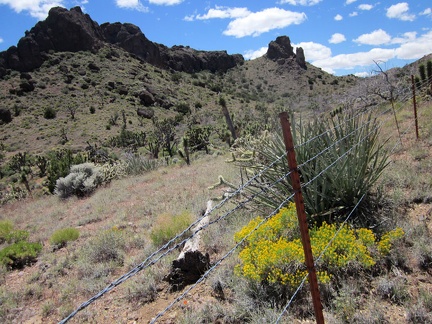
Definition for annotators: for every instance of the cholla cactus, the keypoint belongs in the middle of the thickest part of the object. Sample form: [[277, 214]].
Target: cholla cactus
[[81, 181], [111, 171]]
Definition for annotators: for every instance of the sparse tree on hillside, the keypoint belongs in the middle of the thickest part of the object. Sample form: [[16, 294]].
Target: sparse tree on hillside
[[422, 72], [429, 70], [222, 103], [164, 135], [72, 109], [390, 96]]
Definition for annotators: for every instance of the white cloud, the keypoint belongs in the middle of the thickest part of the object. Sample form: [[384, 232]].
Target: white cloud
[[338, 17], [426, 12], [36, 8], [301, 2], [314, 51], [1, 40], [365, 7], [353, 14], [377, 37], [254, 24], [350, 1], [224, 12], [337, 38], [166, 2], [131, 4], [362, 74], [253, 54], [415, 48], [349, 61], [400, 11], [412, 49], [406, 37]]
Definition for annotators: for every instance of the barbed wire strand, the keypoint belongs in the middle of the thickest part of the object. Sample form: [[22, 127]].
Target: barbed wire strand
[[148, 262], [329, 243], [250, 233], [319, 258], [230, 252]]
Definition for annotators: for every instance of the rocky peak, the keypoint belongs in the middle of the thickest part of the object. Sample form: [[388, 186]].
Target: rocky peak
[[281, 49], [73, 31], [63, 30]]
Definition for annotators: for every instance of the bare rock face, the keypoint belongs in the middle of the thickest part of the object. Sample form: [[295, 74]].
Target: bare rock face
[[63, 30], [280, 48], [130, 38], [73, 31], [300, 57], [186, 59]]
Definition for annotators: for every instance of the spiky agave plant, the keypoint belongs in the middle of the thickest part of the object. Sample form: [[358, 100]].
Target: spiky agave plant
[[340, 159]]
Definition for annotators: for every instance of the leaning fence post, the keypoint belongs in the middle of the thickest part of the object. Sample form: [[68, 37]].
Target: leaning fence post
[[415, 106], [301, 214]]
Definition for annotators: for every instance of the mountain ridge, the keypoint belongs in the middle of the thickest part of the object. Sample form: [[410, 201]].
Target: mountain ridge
[[73, 31]]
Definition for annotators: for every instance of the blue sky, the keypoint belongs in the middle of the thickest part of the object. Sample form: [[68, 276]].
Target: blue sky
[[341, 37]]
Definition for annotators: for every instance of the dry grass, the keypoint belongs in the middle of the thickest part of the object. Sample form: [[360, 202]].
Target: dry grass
[[62, 279], [129, 206]]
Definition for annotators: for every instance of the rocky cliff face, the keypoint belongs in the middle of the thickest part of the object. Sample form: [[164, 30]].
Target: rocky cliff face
[[281, 49], [72, 30]]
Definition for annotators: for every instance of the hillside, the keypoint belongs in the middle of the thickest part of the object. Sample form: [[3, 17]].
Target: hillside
[[108, 80]]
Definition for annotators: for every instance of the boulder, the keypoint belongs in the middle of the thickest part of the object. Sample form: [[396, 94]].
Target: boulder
[[147, 113]]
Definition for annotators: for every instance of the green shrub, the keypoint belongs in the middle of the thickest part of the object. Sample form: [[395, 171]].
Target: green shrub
[[59, 164], [8, 234], [167, 226], [18, 255], [135, 164], [107, 246], [182, 108], [50, 113], [130, 139], [81, 181], [16, 236], [62, 236], [6, 227]]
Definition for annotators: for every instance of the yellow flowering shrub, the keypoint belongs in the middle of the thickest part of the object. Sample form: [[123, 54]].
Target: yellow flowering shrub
[[273, 253], [388, 239]]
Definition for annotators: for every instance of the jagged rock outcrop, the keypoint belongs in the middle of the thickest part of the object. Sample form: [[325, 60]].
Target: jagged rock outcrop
[[73, 31], [63, 30], [281, 49], [130, 38], [179, 58], [300, 57], [186, 59]]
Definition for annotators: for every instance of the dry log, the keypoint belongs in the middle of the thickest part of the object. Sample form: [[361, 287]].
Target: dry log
[[191, 263]]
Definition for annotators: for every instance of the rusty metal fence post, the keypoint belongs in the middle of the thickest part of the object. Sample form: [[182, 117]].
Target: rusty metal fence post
[[301, 214], [415, 106]]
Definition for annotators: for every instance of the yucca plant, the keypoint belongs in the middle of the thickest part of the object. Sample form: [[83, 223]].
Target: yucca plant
[[340, 159]]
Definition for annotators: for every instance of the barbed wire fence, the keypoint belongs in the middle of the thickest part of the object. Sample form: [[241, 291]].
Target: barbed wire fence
[[171, 245]]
